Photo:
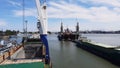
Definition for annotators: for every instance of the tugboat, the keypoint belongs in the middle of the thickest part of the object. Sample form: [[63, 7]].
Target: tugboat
[[68, 35]]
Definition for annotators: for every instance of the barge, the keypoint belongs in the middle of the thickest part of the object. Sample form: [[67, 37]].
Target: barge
[[110, 53], [67, 34]]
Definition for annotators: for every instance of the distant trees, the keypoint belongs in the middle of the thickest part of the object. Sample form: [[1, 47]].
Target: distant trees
[[100, 32], [9, 32], [1, 33], [49, 32]]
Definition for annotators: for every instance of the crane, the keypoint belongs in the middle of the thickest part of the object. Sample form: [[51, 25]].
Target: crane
[[42, 26]]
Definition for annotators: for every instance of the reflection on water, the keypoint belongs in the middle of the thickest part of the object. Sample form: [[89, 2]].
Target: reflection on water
[[67, 55]]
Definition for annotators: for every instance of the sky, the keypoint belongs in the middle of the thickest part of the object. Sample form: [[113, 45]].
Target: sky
[[91, 14]]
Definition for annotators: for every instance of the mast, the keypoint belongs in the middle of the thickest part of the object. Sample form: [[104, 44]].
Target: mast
[[23, 16], [26, 22], [77, 27], [61, 28], [42, 26]]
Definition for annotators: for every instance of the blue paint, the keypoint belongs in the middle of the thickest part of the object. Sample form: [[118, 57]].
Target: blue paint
[[45, 42]]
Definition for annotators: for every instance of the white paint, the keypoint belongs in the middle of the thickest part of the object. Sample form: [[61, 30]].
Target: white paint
[[42, 18]]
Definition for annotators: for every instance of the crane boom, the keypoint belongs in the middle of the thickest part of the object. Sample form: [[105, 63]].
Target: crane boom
[[42, 26], [42, 16]]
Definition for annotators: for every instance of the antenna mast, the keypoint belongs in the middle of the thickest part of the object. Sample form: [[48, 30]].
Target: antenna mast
[[23, 16]]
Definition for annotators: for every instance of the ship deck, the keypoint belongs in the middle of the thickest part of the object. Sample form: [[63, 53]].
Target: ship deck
[[24, 65], [28, 56]]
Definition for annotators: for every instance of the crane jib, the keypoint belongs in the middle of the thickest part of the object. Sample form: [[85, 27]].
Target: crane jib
[[42, 26]]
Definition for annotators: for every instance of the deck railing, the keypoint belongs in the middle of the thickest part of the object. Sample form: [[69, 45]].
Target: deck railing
[[7, 54]]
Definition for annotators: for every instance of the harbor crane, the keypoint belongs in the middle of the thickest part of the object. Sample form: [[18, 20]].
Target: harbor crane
[[42, 26]]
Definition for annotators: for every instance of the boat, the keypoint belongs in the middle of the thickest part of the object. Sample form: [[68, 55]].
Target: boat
[[33, 52], [110, 53], [67, 34]]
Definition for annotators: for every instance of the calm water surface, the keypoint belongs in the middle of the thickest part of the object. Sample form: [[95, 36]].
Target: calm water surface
[[67, 55], [109, 39]]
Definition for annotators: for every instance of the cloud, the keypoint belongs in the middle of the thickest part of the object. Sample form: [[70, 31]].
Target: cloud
[[92, 14], [28, 12], [103, 14], [15, 3], [97, 14], [2, 23], [112, 3]]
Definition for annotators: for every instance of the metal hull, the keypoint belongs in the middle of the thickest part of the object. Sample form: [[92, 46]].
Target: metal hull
[[67, 37], [109, 54]]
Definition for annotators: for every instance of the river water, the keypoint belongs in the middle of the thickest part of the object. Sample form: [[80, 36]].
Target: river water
[[109, 39], [67, 55]]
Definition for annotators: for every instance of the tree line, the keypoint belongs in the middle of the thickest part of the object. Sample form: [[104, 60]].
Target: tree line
[[8, 32]]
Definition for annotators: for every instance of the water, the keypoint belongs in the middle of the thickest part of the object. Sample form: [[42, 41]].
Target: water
[[17, 39], [109, 39], [67, 55]]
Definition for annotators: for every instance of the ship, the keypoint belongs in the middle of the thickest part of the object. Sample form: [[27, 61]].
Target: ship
[[32, 52], [107, 52], [67, 35]]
